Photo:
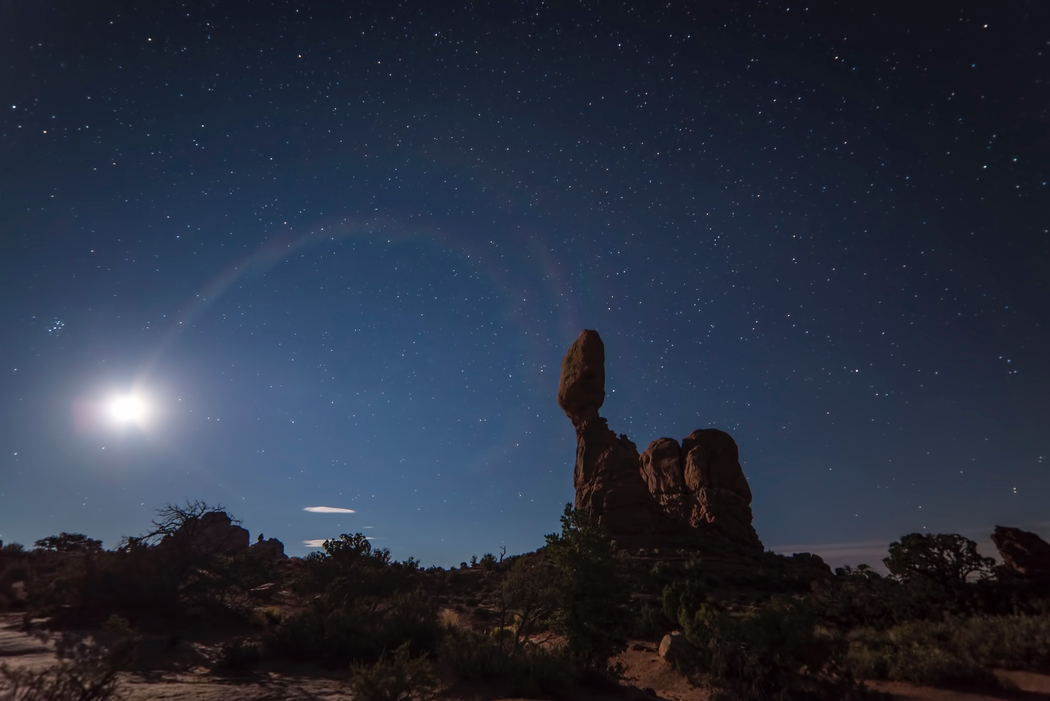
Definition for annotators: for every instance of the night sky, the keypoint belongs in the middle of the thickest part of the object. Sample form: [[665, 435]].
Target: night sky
[[336, 252]]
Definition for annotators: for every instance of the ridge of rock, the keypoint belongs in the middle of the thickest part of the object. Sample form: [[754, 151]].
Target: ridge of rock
[[672, 494]]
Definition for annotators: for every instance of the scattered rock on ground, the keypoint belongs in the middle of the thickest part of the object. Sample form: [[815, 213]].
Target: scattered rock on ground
[[672, 647]]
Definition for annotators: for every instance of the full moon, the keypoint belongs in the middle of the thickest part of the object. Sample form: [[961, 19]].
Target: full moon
[[127, 410]]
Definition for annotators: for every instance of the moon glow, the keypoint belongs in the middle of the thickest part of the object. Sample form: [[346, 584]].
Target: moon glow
[[128, 409]]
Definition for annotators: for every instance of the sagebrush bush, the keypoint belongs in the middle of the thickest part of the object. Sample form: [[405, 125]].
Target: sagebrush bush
[[394, 677], [954, 651], [685, 593], [777, 651], [470, 656], [361, 631]]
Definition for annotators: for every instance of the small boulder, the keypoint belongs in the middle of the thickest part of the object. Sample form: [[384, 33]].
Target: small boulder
[[673, 647], [265, 592]]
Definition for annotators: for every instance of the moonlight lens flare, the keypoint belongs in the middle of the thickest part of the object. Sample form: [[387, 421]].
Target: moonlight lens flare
[[130, 409]]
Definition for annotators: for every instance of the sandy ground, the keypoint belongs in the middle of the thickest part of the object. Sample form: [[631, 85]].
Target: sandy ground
[[1027, 686], [184, 674]]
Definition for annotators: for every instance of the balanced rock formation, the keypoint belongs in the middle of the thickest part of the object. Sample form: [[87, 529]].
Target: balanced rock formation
[[607, 480], [672, 493], [1023, 552]]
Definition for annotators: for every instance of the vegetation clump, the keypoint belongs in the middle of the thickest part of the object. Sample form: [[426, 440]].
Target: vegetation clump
[[537, 625]]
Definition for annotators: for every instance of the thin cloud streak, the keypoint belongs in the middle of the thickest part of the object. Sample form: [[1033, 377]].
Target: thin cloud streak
[[328, 510]]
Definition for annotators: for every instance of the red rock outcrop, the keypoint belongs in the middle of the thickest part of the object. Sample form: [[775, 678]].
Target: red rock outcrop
[[608, 483], [212, 533], [269, 548], [1023, 552], [671, 493]]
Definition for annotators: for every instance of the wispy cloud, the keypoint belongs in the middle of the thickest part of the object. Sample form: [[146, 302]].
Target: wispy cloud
[[328, 510]]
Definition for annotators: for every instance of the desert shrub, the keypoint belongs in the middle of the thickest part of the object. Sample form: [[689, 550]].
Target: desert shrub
[[776, 651], [952, 651], [238, 656], [593, 594], [270, 615], [861, 597], [350, 568], [361, 631], [681, 594], [13, 575], [528, 600], [395, 677], [89, 587], [470, 656], [1008, 594], [649, 621], [488, 562], [158, 576], [69, 543], [880, 656], [946, 560]]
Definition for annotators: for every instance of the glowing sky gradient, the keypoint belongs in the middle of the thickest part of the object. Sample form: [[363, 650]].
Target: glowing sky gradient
[[342, 249]]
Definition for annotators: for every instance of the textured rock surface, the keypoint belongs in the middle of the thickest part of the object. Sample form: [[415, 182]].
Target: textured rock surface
[[712, 460], [670, 493], [661, 466], [581, 388], [1023, 552]]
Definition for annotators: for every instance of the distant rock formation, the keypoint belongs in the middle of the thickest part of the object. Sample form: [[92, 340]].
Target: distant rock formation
[[212, 533], [1023, 552], [270, 548], [673, 493]]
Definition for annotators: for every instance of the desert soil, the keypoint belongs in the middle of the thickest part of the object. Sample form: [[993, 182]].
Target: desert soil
[[184, 673]]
